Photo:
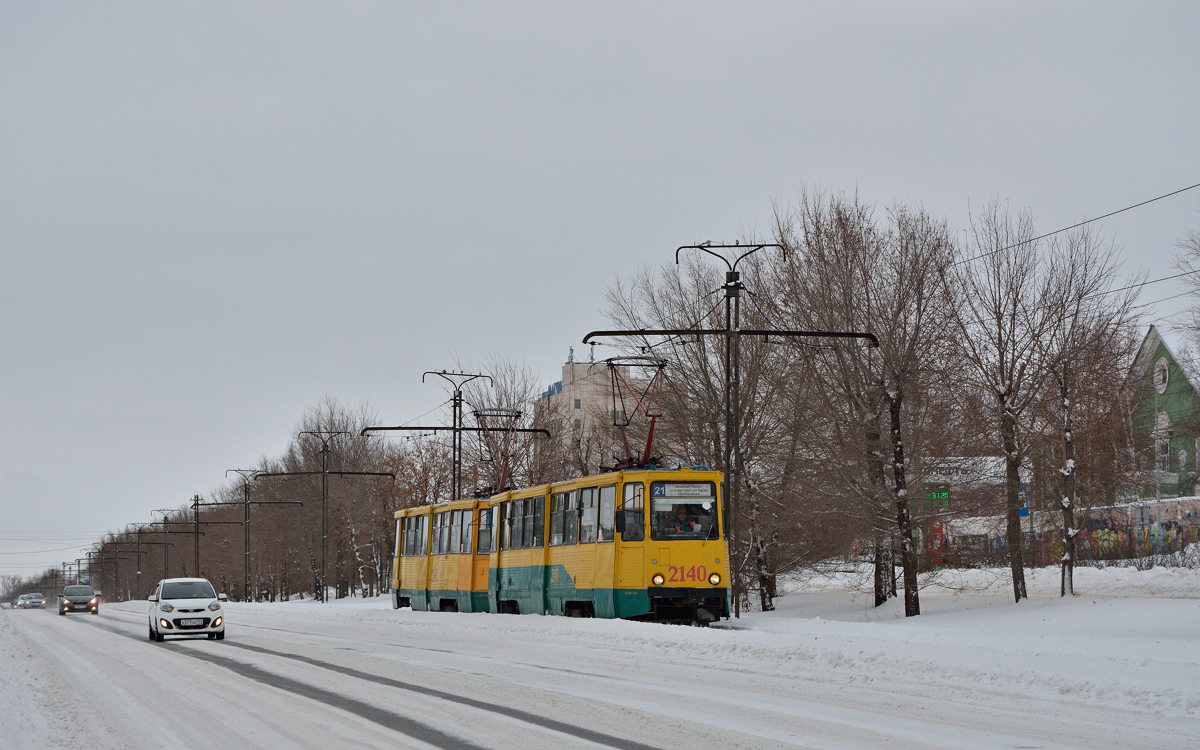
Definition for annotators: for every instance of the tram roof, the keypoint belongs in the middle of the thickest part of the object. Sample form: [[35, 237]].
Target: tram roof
[[539, 490]]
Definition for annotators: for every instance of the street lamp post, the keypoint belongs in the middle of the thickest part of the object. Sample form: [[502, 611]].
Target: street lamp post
[[325, 436], [732, 333], [457, 380], [247, 476], [196, 504], [166, 545]]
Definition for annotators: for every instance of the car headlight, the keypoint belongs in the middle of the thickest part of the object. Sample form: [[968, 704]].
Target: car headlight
[[214, 606], [658, 579], [164, 623], [166, 607], [93, 600], [217, 623], [714, 579]]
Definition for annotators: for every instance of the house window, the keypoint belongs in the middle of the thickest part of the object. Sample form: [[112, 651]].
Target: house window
[[1161, 375], [1162, 442], [577, 403]]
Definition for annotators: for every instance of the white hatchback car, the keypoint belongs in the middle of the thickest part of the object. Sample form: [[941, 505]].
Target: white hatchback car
[[186, 606]]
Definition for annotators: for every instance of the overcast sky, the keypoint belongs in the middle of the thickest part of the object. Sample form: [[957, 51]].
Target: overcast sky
[[214, 215]]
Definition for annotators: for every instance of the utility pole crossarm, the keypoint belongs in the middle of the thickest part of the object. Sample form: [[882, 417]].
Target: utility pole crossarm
[[451, 429], [722, 332], [363, 474], [247, 476], [314, 473], [285, 474], [750, 248]]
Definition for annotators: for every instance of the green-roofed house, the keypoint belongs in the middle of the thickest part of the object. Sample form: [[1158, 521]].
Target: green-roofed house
[[1166, 420]]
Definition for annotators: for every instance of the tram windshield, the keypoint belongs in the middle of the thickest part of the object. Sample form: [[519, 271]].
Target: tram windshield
[[683, 510]]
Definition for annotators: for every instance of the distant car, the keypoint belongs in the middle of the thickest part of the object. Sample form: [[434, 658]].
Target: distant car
[[78, 599], [31, 601], [186, 606]]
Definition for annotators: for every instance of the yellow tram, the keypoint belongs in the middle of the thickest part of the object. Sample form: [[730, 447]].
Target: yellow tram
[[644, 544]]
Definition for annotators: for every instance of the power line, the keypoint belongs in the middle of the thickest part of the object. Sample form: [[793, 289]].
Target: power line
[[1073, 226], [39, 551], [1144, 283], [1164, 299]]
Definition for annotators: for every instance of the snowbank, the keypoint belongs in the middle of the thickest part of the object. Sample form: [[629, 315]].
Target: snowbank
[[1041, 583]]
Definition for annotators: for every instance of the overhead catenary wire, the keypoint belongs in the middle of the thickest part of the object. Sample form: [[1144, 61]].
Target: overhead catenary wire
[[1075, 226]]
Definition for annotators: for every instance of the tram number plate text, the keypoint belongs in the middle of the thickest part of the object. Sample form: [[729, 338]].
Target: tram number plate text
[[680, 574]]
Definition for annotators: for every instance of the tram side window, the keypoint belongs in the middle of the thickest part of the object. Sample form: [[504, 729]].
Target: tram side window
[[527, 522], [397, 552], [416, 534], [519, 521], [410, 537], [587, 515], [608, 503], [558, 504], [504, 524], [455, 531], [571, 518], [634, 508], [485, 531], [538, 520], [464, 538], [443, 533]]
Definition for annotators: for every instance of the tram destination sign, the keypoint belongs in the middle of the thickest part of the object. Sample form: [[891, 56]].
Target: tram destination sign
[[681, 489]]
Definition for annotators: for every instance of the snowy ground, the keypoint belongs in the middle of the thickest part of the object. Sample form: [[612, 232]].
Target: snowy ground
[[826, 671]]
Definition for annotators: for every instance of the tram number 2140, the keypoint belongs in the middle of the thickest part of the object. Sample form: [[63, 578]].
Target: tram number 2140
[[679, 574]]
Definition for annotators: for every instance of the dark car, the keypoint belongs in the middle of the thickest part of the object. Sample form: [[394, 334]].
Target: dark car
[[78, 599]]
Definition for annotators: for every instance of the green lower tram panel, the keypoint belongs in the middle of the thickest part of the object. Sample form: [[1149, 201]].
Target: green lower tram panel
[[549, 590], [451, 600]]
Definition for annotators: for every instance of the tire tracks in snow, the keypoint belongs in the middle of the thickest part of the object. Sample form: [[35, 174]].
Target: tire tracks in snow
[[405, 725]]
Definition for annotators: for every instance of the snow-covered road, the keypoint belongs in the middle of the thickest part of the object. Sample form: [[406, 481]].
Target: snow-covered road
[[1116, 673]]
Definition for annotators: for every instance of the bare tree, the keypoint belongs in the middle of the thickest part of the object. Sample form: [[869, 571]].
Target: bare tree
[[1087, 349], [1007, 309], [845, 272]]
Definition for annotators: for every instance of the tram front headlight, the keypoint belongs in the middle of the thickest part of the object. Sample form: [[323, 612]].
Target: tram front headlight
[[658, 579], [714, 579]]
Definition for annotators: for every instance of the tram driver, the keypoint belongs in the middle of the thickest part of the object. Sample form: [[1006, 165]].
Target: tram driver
[[680, 522]]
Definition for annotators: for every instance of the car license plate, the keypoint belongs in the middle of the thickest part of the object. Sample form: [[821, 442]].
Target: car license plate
[[191, 621], [80, 606]]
